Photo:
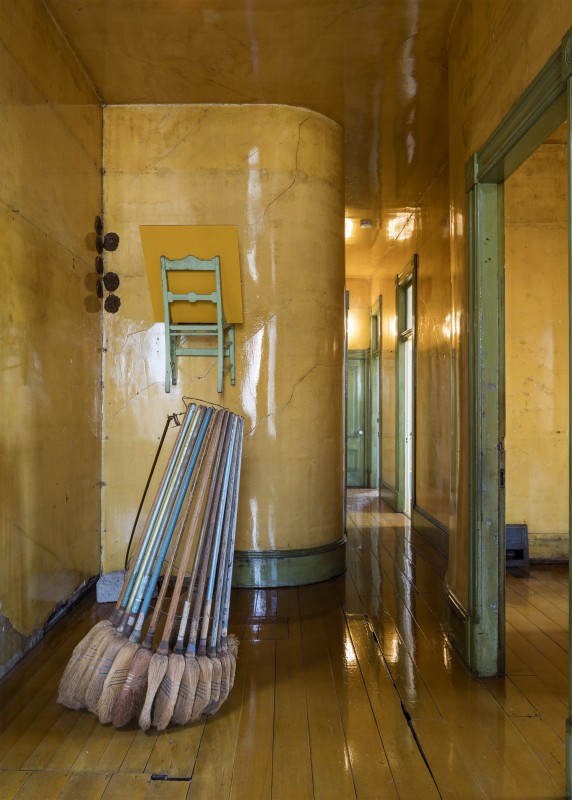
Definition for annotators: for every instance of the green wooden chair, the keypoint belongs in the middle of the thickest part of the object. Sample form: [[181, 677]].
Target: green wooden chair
[[176, 332]]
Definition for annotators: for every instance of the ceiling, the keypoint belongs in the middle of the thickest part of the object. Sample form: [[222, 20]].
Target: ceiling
[[377, 67]]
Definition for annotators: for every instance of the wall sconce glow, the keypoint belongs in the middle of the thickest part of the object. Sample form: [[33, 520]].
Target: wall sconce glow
[[349, 227]]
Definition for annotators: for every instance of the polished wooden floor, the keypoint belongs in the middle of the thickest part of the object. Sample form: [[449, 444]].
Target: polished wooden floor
[[344, 689]]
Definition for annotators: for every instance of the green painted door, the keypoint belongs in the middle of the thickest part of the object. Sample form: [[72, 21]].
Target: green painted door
[[356, 416]]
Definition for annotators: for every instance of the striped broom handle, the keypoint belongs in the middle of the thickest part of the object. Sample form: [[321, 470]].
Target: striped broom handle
[[158, 500], [178, 535], [179, 646], [207, 535], [142, 578], [216, 544], [226, 605], [163, 545], [223, 554], [205, 476]]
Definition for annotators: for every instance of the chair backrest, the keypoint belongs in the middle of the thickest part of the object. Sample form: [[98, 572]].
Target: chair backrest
[[191, 264]]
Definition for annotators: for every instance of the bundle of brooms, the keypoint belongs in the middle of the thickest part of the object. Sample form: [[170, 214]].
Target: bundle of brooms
[[176, 661]]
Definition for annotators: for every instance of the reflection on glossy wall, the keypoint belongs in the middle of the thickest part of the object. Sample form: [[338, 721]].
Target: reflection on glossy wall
[[487, 74], [50, 401], [359, 313], [425, 231], [276, 172], [536, 280]]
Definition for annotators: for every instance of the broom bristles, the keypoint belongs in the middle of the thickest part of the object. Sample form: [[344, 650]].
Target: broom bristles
[[186, 697], [130, 701], [203, 692], [78, 672], [155, 674], [233, 643], [225, 660], [114, 680], [168, 692], [93, 691], [212, 705]]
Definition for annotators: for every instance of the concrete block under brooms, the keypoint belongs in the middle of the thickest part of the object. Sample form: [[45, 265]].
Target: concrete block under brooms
[[109, 586]]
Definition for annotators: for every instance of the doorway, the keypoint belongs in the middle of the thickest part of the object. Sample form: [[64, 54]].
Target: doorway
[[480, 629], [357, 382], [405, 396]]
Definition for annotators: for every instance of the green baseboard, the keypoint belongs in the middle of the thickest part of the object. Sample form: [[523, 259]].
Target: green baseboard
[[264, 569], [434, 531]]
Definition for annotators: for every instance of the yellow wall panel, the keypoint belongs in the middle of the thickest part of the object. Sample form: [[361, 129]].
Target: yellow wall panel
[[50, 347]]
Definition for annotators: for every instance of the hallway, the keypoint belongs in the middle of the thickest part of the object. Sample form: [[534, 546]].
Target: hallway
[[344, 689]]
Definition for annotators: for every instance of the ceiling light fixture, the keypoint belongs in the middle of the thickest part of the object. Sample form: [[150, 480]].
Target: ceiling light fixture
[[366, 223]]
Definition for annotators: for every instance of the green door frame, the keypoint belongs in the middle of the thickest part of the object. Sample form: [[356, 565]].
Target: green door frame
[[374, 471], [545, 105], [406, 277]]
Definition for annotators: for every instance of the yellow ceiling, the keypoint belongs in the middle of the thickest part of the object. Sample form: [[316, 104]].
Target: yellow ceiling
[[377, 67]]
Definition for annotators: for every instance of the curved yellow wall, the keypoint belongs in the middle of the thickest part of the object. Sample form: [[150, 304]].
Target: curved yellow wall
[[275, 172]]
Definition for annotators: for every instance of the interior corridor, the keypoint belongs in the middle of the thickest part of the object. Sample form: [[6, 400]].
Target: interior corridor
[[344, 689]]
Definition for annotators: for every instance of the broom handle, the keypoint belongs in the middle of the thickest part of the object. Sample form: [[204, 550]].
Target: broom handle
[[163, 648], [223, 555], [179, 646], [208, 528], [130, 579], [216, 546], [136, 633], [124, 595], [165, 513], [226, 606], [148, 581]]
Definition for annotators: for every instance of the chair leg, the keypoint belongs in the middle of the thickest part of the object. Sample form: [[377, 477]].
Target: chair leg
[[220, 359], [167, 359], [231, 353], [174, 359]]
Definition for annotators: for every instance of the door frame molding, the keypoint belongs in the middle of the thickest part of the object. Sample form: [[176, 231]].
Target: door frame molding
[[406, 276], [545, 104], [375, 353]]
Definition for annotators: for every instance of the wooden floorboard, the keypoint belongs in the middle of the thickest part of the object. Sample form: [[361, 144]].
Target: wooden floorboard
[[345, 689]]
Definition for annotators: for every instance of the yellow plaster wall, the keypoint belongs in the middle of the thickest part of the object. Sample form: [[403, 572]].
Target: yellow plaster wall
[[50, 340], [536, 280], [359, 313], [425, 231], [276, 172], [496, 49]]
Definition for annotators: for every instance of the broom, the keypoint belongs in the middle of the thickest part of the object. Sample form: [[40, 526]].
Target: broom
[[215, 651], [229, 644], [130, 666], [187, 690], [78, 672], [168, 693], [210, 668], [189, 680], [106, 683], [159, 661]]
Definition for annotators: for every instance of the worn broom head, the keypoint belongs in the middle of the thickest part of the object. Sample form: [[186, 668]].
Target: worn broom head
[[166, 697], [203, 693], [132, 696], [74, 682], [233, 653], [212, 705], [115, 679], [215, 704], [186, 697], [101, 671], [155, 674]]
